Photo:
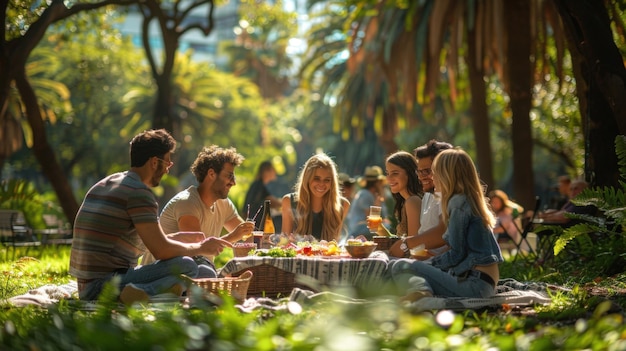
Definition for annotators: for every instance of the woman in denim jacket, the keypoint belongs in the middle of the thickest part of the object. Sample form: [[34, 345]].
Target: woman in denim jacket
[[470, 267]]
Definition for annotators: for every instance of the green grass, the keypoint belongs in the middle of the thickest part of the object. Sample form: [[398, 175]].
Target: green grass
[[574, 321], [42, 266]]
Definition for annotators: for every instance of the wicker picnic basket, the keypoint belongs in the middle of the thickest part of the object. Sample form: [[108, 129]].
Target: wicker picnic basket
[[237, 287], [270, 281]]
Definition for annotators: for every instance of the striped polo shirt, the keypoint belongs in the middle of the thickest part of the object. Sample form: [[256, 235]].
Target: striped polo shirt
[[105, 237]]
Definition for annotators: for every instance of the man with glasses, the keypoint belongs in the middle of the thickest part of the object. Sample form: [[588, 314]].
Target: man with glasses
[[431, 226], [206, 207], [118, 221]]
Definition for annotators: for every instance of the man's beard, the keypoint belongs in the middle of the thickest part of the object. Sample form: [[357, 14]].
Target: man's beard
[[155, 181]]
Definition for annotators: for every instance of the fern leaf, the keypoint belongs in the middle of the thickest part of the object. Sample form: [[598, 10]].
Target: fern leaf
[[570, 233]]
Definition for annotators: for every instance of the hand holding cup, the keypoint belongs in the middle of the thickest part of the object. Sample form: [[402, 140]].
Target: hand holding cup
[[374, 220], [245, 230]]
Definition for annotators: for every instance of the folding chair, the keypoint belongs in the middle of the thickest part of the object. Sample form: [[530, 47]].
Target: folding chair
[[523, 248]]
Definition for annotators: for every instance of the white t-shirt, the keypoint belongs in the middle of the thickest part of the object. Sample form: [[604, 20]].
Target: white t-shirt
[[431, 211], [430, 217], [189, 203]]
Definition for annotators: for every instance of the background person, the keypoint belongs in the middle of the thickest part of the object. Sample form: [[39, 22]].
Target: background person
[[558, 200], [316, 207], [371, 194], [347, 185], [560, 217], [470, 267], [206, 207], [118, 221], [508, 216], [259, 192]]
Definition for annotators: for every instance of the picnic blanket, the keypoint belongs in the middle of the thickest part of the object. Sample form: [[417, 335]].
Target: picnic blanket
[[508, 292], [45, 296]]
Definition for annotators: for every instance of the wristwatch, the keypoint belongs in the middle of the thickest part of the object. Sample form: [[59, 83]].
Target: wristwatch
[[404, 247]]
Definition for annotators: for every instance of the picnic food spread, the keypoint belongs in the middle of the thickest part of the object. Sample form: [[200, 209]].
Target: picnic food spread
[[288, 246]]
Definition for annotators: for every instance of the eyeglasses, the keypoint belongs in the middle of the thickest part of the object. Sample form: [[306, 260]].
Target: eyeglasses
[[168, 164], [231, 177], [425, 172]]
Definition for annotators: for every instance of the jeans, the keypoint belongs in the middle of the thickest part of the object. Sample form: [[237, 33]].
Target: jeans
[[412, 275], [154, 278], [206, 267]]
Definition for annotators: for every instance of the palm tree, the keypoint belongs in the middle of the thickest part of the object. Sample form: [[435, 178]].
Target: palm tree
[[356, 106], [402, 51]]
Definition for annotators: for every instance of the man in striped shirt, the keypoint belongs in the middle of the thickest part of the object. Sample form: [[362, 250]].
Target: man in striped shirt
[[118, 221]]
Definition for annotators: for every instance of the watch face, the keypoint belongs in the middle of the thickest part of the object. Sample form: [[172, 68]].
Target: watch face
[[403, 247]]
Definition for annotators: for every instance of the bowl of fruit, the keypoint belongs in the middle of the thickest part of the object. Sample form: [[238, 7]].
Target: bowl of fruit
[[360, 249]]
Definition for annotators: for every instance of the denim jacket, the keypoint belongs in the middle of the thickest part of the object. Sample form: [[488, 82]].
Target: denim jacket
[[471, 242]]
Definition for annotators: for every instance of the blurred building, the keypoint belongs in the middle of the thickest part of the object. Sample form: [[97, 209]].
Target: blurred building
[[226, 21]]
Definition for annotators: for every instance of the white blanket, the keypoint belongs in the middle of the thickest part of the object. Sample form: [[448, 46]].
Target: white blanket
[[508, 292], [45, 296]]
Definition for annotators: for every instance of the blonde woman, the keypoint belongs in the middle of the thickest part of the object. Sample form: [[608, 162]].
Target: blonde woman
[[316, 207], [470, 267]]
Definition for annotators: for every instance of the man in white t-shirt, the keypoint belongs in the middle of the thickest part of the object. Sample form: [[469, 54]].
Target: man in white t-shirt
[[206, 207], [431, 226]]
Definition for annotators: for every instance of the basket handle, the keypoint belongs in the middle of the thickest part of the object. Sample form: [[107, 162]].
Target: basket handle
[[247, 275]]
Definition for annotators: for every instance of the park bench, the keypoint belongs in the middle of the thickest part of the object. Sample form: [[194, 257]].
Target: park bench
[[55, 233], [15, 232]]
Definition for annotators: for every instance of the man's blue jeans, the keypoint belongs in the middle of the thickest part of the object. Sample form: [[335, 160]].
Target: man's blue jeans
[[154, 278]]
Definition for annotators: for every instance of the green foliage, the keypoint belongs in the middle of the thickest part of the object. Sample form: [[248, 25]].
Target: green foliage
[[610, 203], [17, 277], [574, 320], [18, 194]]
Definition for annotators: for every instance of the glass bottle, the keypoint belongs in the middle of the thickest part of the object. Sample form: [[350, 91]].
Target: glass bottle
[[268, 225]]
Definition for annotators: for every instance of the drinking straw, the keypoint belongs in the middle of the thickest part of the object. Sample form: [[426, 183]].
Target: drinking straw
[[257, 213]]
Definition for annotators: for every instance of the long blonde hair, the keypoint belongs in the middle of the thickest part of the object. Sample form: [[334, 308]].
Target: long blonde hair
[[456, 174], [331, 202]]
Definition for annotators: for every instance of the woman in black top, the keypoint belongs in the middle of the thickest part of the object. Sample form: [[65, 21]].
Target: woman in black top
[[316, 207]]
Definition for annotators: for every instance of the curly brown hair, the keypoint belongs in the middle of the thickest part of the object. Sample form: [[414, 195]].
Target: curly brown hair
[[214, 157]]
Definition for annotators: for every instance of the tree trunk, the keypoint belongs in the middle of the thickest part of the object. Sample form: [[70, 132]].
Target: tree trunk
[[43, 151], [519, 73], [164, 105], [601, 85], [480, 115]]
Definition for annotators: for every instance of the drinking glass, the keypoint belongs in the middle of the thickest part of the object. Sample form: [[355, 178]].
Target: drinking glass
[[258, 237], [374, 219], [247, 236]]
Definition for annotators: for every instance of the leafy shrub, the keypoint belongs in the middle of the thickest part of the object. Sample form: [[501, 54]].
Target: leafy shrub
[[17, 194], [610, 202]]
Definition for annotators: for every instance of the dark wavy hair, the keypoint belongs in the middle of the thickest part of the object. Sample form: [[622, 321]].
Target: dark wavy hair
[[407, 162], [150, 143], [431, 149]]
